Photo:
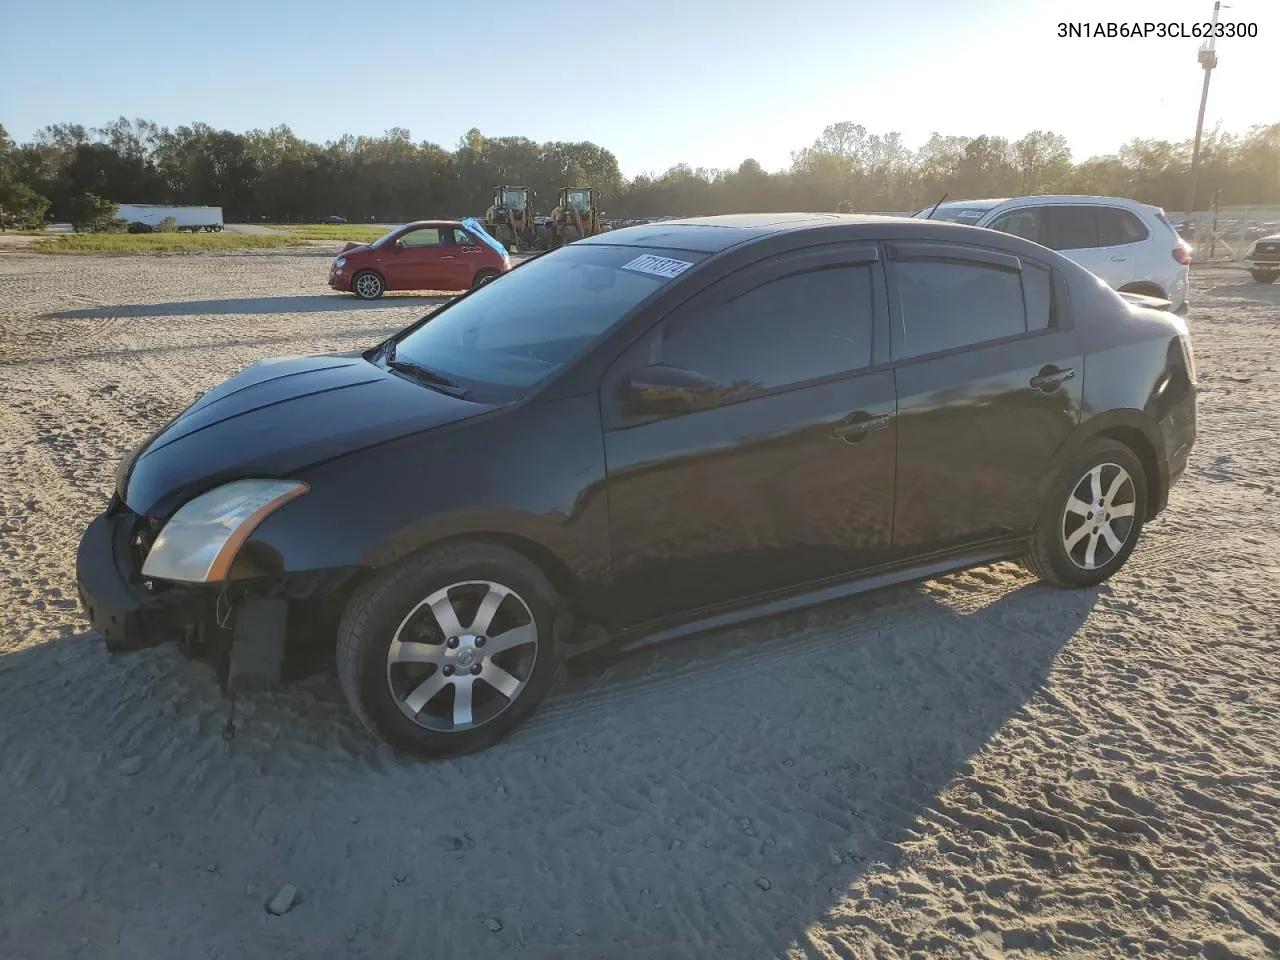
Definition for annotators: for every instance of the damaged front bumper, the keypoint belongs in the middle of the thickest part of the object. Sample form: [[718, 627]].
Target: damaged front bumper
[[245, 624], [128, 612]]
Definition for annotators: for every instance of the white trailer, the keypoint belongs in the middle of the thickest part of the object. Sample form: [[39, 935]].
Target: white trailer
[[152, 215]]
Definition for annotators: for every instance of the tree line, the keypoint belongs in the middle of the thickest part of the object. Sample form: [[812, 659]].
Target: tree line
[[276, 176]]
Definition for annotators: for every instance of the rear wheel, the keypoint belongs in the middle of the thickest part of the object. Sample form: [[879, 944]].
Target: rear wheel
[[483, 277], [1091, 518], [368, 285], [449, 651], [1265, 276]]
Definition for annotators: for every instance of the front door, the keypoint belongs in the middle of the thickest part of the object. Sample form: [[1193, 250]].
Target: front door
[[784, 475], [989, 376], [466, 253], [417, 261]]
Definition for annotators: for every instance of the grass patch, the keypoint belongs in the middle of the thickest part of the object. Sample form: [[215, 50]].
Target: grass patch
[[341, 232], [161, 242]]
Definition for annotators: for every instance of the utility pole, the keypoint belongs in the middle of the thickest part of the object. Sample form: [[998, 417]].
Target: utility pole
[[1208, 58]]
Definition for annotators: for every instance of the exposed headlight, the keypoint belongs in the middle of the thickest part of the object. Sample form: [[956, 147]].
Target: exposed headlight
[[200, 541], [340, 262]]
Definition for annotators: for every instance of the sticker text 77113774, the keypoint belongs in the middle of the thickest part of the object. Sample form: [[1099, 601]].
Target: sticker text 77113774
[[658, 266]]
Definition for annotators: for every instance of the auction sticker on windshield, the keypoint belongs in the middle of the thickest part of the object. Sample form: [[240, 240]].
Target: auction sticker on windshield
[[658, 266]]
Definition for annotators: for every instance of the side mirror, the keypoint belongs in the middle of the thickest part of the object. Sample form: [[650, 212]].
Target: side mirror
[[398, 246], [662, 389]]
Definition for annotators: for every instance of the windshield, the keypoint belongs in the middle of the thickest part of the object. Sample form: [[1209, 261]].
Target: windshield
[[580, 200], [969, 213], [385, 237], [520, 328], [514, 199]]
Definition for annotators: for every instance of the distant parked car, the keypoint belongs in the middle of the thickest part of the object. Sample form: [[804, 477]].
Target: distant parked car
[[334, 219], [1264, 259], [424, 255], [1131, 246]]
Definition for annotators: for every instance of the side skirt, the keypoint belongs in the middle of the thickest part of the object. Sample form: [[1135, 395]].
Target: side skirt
[[716, 618]]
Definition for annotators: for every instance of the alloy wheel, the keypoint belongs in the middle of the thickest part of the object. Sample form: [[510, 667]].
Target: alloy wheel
[[1099, 516], [368, 285], [448, 677]]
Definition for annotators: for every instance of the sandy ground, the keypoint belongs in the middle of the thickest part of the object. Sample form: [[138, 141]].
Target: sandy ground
[[973, 767]]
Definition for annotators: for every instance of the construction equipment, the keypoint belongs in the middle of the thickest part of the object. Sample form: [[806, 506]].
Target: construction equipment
[[575, 216], [510, 218]]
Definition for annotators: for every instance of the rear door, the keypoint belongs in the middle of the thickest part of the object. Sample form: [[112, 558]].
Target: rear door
[[1073, 230], [420, 264], [784, 475], [462, 259], [989, 376]]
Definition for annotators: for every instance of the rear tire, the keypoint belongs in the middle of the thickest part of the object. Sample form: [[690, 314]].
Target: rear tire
[[1091, 517], [368, 285], [1265, 276], [483, 277], [435, 690]]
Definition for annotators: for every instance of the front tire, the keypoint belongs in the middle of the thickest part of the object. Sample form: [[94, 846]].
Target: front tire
[[449, 651], [1091, 517], [1264, 276], [368, 285]]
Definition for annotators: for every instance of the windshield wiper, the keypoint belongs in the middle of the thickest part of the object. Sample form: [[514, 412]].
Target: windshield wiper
[[427, 376]]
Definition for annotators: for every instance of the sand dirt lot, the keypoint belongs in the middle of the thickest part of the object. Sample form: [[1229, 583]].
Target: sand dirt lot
[[977, 766]]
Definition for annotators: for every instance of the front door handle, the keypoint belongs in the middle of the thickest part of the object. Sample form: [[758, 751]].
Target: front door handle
[[1051, 378], [1119, 259], [855, 427], [448, 257]]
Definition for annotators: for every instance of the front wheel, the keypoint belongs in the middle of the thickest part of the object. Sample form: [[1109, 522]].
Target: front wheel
[[448, 652], [368, 285], [1265, 276], [1090, 520]]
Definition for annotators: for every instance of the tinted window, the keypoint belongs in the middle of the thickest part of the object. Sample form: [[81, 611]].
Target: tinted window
[[1024, 222], [426, 237], [464, 239], [1072, 228], [947, 304], [1117, 227], [1037, 292], [792, 329]]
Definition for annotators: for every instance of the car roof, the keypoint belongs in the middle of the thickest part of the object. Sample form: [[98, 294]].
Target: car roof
[[713, 234], [433, 223]]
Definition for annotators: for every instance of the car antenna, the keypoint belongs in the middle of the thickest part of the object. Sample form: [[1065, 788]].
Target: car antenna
[[937, 205]]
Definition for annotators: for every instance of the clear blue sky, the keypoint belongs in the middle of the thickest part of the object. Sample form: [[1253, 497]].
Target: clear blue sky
[[658, 82]]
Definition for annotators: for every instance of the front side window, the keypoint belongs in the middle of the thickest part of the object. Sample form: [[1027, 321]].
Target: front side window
[[796, 328], [506, 336], [1072, 228], [1024, 222], [946, 304], [424, 237]]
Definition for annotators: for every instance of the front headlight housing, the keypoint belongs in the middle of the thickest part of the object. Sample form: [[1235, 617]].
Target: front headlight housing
[[340, 262], [200, 541]]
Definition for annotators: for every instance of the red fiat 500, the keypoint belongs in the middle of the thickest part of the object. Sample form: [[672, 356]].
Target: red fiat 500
[[424, 255]]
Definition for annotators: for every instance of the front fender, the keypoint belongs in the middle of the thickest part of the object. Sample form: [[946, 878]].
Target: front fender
[[533, 474]]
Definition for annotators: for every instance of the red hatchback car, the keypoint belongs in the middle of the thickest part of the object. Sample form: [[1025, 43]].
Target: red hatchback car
[[423, 255]]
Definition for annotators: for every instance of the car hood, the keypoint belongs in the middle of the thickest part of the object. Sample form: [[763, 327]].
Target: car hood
[[277, 417], [353, 247]]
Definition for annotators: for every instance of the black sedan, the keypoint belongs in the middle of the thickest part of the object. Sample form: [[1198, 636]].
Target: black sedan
[[638, 436], [1264, 259]]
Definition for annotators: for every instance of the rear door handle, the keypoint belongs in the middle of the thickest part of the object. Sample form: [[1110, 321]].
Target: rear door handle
[[1051, 378], [856, 426]]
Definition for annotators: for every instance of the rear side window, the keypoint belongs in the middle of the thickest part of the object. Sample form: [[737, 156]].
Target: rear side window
[[1117, 227], [947, 304], [796, 328], [1071, 227]]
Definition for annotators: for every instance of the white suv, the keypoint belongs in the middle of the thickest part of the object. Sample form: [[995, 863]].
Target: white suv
[[1129, 245]]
